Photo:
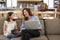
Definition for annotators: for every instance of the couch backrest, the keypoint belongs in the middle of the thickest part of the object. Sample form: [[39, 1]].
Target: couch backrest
[[19, 23], [52, 26], [1, 25], [42, 32]]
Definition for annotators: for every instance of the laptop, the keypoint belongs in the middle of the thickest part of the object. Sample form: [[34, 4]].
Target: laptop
[[31, 24]]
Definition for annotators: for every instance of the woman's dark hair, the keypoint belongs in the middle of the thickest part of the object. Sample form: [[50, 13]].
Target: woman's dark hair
[[29, 12], [9, 14]]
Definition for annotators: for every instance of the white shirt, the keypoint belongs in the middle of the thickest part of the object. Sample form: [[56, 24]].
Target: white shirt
[[9, 26]]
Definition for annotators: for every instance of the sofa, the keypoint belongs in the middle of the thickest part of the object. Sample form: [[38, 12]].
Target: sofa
[[50, 30]]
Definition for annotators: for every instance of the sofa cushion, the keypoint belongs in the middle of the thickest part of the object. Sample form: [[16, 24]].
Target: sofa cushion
[[53, 37], [3, 38], [1, 25], [52, 26], [40, 38], [18, 38]]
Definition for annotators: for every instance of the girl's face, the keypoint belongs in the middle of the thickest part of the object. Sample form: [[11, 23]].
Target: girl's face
[[12, 16], [26, 13]]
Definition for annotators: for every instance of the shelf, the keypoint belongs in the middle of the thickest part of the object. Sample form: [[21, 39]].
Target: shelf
[[42, 14], [2, 1], [29, 0]]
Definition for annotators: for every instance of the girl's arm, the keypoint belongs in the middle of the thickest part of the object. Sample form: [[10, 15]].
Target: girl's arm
[[4, 28]]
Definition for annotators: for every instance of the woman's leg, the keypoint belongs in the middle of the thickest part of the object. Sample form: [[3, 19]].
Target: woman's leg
[[18, 34], [27, 34], [34, 33]]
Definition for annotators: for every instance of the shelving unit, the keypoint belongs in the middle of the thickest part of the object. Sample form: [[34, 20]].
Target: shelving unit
[[2, 1], [29, 0], [32, 4], [21, 4]]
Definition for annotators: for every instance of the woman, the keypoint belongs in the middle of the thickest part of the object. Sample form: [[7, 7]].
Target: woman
[[43, 6], [25, 33], [9, 25]]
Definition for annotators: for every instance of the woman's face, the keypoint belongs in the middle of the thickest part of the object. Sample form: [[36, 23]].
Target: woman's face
[[26, 13]]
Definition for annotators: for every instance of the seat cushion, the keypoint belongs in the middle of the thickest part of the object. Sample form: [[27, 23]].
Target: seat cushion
[[40, 38], [3, 38], [18, 38], [53, 37], [52, 26]]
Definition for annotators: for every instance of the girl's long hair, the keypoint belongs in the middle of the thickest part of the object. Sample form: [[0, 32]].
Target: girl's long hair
[[9, 14]]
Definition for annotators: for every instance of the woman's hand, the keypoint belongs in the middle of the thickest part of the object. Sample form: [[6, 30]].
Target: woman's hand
[[22, 29], [40, 28]]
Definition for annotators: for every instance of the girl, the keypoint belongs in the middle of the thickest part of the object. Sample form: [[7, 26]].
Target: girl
[[9, 25]]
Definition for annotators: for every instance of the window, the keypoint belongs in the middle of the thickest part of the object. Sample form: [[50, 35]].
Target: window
[[14, 3], [11, 3], [50, 3]]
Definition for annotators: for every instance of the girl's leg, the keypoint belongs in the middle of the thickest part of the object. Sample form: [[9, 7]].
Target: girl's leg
[[11, 36]]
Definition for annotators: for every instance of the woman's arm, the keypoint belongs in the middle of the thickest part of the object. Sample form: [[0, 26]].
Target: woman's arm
[[40, 28], [22, 26], [39, 23]]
